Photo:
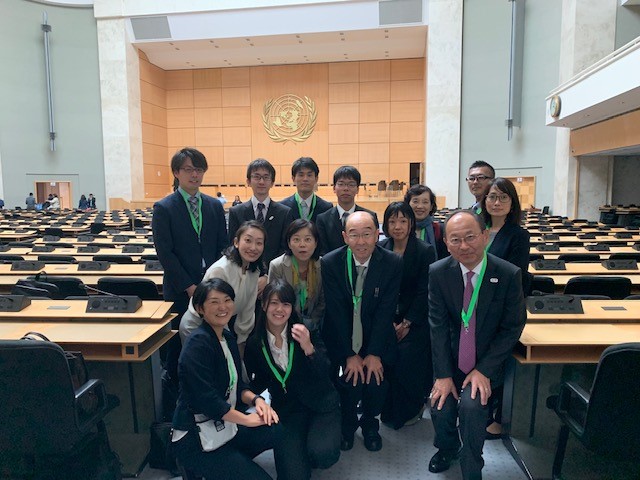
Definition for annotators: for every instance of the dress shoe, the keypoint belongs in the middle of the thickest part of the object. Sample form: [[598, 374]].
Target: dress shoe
[[493, 436], [346, 442], [372, 440], [442, 460]]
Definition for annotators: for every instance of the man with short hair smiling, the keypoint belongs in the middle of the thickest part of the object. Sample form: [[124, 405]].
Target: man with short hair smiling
[[274, 216], [478, 179], [361, 282], [305, 203], [476, 315], [346, 185]]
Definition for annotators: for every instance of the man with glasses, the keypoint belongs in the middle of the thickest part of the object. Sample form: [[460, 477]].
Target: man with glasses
[[478, 179], [346, 184], [361, 282], [274, 216], [476, 315], [189, 233], [305, 203]]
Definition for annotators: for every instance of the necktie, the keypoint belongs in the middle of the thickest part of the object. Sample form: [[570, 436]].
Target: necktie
[[356, 337], [467, 350], [260, 213], [193, 206], [344, 218], [304, 208]]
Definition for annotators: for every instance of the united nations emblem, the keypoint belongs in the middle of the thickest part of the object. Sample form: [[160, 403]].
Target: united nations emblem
[[289, 117]]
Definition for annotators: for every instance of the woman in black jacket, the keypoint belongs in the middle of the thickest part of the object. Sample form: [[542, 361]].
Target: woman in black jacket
[[412, 375], [211, 388], [283, 356]]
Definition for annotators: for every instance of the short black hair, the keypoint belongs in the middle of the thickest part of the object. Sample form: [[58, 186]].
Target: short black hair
[[417, 190], [286, 294], [304, 162], [202, 291], [232, 252], [259, 163], [395, 209], [482, 163], [197, 159], [295, 227], [479, 220], [505, 186], [347, 171]]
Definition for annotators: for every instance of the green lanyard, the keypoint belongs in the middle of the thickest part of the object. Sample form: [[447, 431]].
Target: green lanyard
[[422, 233], [466, 316], [303, 288], [313, 205], [276, 373], [232, 374], [354, 298]]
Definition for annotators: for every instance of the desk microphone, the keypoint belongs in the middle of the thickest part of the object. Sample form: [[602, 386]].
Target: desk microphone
[[111, 303]]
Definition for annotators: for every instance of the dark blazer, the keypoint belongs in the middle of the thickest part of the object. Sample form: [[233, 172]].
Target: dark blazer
[[177, 245], [329, 226], [379, 300], [321, 207], [204, 377], [276, 220], [309, 383], [413, 301], [512, 243], [500, 316]]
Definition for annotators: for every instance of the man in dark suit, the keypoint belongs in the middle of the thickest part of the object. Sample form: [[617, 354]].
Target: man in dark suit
[[469, 348], [479, 180], [305, 203], [346, 184], [361, 282], [275, 217], [189, 233]]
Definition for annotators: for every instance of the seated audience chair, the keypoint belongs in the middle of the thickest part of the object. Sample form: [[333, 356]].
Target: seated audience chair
[[113, 258], [53, 258], [54, 231], [605, 420], [142, 287], [616, 288], [543, 285], [579, 257]]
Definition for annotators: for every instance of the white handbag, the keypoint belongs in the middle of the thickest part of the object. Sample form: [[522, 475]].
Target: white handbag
[[214, 433]]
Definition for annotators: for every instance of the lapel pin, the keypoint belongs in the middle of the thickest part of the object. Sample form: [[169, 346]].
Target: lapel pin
[[493, 280], [271, 217]]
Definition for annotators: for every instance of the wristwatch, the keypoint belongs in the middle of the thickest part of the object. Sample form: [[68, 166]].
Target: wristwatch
[[255, 399]]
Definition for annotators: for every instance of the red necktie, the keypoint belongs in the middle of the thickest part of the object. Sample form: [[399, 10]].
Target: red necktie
[[467, 351]]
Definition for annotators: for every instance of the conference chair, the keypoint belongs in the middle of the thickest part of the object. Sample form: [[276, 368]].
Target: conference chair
[[543, 285], [141, 287], [8, 258], [54, 231], [149, 257], [97, 227], [49, 427], [67, 286], [579, 257], [53, 258], [625, 256], [616, 288], [606, 419], [113, 258]]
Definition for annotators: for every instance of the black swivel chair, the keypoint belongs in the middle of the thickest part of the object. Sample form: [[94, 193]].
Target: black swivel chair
[[97, 227], [8, 258], [625, 256], [605, 420], [579, 257], [543, 285], [143, 288], [50, 428], [67, 286], [54, 231], [616, 288], [113, 258], [53, 258]]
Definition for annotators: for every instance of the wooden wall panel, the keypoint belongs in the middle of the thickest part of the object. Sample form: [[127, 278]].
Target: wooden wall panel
[[406, 152], [179, 79], [157, 174], [617, 132], [208, 136], [375, 71], [154, 154], [344, 72], [236, 136], [180, 99], [375, 112], [343, 134], [236, 77], [374, 153], [208, 117], [180, 118], [407, 69], [344, 93], [407, 132], [407, 90], [343, 113], [236, 117], [236, 97], [180, 137], [375, 92], [374, 132], [207, 78], [347, 154], [207, 97], [156, 191], [408, 111]]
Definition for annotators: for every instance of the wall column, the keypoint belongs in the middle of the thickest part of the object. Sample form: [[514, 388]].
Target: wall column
[[587, 35], [443, 99], [121, 115]]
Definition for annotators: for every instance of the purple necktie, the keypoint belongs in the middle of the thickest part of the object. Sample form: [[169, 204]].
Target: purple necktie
[[467, 351]]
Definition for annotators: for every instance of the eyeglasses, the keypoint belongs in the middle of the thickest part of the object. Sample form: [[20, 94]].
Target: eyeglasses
[[469, 239], [190, 170], [255, 177], [356, 236], [503, 198], [350, 185], [478, 178]]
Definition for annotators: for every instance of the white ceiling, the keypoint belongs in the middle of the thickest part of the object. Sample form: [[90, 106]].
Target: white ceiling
[[353, 45]]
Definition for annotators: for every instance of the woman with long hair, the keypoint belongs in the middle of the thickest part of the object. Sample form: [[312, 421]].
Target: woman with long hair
[[422, 201]]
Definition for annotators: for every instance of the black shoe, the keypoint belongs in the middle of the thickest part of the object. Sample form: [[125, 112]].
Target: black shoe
[[442, 460], [372, 440], [493, 436], [346, 442]]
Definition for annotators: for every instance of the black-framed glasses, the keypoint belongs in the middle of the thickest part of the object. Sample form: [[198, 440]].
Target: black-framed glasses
[[477, 178]]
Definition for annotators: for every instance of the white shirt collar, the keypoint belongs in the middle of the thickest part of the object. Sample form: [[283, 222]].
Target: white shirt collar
[[255, 201], [342, 210], [307, 200], [280, 355], [365, 264], [475, 269]]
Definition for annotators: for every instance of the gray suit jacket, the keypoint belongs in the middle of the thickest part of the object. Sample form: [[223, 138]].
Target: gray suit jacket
[[280, 268]]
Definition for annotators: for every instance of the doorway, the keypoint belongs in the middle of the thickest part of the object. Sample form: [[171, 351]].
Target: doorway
[[61, 189]]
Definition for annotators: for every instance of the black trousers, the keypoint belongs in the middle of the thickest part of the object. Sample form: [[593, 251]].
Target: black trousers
[[409, 378], [372, 397], [232, 461], [309, 440], [473, 423]]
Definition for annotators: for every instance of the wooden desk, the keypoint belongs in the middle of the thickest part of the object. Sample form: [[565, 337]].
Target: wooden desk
[[106, 239], [574, 268], [29, 254], [582, 250], [606, 238], [115, 269], [595, 311], [12, 235]]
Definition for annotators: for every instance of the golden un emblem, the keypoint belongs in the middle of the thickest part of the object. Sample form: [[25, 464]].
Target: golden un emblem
[[289, 117]]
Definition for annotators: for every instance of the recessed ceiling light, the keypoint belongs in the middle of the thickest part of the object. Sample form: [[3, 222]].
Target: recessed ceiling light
[[342, 39], [176, 48], [211, 41], [217, 46], [341, 33], [248, 39], [297, 36], [251, 45], [386, 36], [170, 43]]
